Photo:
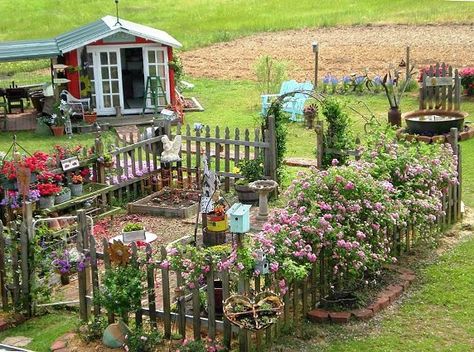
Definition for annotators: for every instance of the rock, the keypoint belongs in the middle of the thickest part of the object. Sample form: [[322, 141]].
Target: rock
[[58, 345], [17, 341]]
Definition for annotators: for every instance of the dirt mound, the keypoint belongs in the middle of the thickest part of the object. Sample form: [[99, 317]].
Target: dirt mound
[[343, 50]]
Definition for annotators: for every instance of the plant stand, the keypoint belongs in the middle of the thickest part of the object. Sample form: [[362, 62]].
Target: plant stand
[[263, 188]]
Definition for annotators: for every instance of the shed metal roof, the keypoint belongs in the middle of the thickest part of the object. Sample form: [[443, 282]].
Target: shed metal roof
[[106, 26], [28, 50]]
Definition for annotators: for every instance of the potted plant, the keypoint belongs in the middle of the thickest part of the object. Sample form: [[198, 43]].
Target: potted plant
[[217, 219], [58, 124], [394, 91], [47, 193], [106, 159], [251, 170], [63, 195], [310, 113], [63, 266], [120, 294], [133, 231], [76, 185], [90, 116]]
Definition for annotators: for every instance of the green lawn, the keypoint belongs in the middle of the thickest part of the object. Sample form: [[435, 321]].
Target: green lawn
[[200, 22], [44, 330], [435, 316]]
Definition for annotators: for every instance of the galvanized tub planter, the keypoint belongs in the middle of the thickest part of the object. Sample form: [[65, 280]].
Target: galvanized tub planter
[[172, 203], [434, 122]]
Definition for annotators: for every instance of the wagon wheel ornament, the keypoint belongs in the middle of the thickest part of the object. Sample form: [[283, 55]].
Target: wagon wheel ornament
[[253, 314]]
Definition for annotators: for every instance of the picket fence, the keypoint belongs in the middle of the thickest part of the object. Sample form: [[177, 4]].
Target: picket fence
[[301, 297], [138, 171]]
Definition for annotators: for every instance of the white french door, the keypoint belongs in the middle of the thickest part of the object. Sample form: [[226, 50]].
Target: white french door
[[107, 79], [155, 63]]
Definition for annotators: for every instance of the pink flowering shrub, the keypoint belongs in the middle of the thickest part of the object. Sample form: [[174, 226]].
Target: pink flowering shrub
[[343, 214], [420, 173], [467, 79], [348, 210]]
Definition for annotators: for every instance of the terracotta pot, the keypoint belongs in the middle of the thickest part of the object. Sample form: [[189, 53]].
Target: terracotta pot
[[90, 118], [246, 194], [395, 117], [58, 130]]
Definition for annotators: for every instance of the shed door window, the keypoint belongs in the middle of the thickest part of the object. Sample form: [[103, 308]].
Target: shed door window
[[157, 65], [109, 69]]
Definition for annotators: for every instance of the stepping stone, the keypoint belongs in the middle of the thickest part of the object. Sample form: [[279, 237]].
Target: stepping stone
[[17, 341]]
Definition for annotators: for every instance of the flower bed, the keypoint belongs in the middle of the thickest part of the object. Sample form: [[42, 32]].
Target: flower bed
[[344, 215]]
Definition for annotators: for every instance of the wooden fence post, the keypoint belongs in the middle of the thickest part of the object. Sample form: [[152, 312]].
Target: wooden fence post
[[82, 281], [319, 144], [3, 287], [454, 141], [211, 304], [100, 168], [166, 296], [27, 262], [271, 151]]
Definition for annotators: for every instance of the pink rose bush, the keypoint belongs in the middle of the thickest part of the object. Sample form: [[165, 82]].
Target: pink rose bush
[[344, 215]]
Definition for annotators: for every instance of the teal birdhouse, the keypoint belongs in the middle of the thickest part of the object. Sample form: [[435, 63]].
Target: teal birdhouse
[[239, 218]]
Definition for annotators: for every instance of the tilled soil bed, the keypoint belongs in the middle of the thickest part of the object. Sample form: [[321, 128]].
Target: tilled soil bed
[[343, 50]]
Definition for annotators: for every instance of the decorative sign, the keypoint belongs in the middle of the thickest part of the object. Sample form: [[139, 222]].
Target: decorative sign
[[119, 37], [256, 314], [207, 205], [23, 177], [70, 163], [438, 81]]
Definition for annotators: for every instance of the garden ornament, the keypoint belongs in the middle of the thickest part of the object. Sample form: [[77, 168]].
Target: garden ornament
[[119, 253], [253, 314], [171, 149]]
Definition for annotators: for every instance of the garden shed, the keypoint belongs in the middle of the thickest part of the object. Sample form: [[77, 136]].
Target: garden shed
[[108, 61]]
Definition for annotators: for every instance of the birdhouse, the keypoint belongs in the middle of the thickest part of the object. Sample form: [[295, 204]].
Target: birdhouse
[[261, 263], [239, 217]]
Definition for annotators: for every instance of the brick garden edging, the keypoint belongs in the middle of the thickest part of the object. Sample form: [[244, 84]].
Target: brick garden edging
[[11, 321], [468, 133], [383, 300]]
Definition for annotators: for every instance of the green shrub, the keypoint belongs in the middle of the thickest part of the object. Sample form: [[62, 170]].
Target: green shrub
[[140, 340], [337, 134]]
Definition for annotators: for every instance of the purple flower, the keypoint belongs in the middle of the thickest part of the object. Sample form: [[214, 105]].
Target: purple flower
[[349, 186]]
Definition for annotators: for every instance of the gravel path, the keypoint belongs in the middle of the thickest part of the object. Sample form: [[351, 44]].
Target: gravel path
[[343, 50]]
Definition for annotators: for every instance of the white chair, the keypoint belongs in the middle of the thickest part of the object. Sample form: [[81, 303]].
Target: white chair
[[78, 105]]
